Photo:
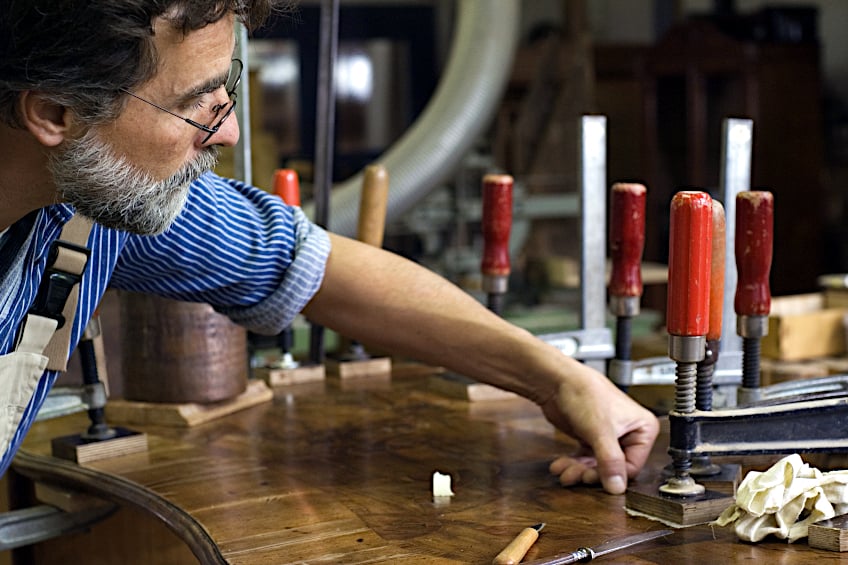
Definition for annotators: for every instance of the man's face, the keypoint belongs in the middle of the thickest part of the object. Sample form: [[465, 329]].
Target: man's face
[[134, 173]]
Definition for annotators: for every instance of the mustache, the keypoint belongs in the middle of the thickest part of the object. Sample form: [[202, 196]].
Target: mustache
[[194, 169]]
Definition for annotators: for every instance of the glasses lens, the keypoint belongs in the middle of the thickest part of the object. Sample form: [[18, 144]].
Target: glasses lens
[[234, 77]]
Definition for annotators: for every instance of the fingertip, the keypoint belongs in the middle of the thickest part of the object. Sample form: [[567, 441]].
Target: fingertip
[[571, 475], [615, 484], [557, 466], [590, 476]]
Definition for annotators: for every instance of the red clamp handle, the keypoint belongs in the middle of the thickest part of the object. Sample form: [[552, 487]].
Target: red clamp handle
[[627, 238], [754, 241], [690, 248], [287, 186], [719, 254], [497, 222]]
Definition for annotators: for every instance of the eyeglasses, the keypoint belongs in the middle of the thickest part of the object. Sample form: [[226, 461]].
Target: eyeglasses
[[233, 80]]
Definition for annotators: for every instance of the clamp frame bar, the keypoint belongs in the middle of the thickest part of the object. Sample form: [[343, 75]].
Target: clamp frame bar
[[35, 524], [814, 424]]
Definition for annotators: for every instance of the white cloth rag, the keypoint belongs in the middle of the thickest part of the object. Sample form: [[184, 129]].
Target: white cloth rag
[[785, 500]]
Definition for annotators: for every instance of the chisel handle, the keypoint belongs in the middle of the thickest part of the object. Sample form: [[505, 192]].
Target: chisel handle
[[513, 553], [690, 248], [717, 271], [753, 246], [287, 186], [497, 223], [372, 205], [627, 238]]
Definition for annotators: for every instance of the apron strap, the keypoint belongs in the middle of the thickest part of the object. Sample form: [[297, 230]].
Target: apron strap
[[58, 293]]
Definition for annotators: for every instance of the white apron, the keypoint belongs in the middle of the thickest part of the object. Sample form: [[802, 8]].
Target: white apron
[[40, 345]]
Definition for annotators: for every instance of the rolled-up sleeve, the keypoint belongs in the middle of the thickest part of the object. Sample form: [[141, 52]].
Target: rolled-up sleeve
[[236, 247], [300, 283]]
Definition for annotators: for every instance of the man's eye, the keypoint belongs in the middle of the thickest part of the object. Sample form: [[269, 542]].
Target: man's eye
[[201, 102], [198, 104]]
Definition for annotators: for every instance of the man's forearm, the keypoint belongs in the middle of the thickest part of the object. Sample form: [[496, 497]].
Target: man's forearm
[[384, 300]]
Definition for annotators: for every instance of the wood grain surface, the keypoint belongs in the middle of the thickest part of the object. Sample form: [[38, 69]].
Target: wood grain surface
[[342, 474]]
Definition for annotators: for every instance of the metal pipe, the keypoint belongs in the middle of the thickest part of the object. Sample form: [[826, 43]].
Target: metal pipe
[[243, 159], [468, 94], [324, 138]]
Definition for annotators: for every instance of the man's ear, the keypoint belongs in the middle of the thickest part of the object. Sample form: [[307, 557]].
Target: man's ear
[[46, 120]]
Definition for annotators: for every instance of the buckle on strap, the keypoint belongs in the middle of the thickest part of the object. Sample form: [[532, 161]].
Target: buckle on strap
[[66, 263]]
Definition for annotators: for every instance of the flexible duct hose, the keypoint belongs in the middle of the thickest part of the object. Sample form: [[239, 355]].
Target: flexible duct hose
[[462, 106]]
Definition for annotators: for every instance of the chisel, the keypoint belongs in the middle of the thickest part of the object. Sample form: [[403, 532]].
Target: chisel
[[513, 553], [586, 554]]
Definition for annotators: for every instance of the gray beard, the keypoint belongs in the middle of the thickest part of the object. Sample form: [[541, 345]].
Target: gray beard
[[109, 190]]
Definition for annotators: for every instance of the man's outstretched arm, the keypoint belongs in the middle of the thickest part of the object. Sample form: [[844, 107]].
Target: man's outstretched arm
[[384, 300]]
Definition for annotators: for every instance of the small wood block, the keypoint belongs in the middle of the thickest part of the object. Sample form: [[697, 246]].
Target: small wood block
[[465, 388], [67, 500], [378, 381], [82, 451], [187, 414], [774, 372], [360, 368], [297, 375], [831, 535], [680, 511]]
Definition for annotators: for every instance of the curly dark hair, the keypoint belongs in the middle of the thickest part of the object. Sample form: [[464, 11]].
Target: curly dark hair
[[80, 53]]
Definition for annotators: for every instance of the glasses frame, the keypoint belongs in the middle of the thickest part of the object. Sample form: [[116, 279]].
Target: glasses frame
[[210, 130]]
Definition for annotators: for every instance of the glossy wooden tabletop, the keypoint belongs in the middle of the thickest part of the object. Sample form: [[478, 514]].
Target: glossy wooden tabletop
[[341, 473]]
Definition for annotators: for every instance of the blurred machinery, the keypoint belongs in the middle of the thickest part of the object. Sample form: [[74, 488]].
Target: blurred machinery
[[423, 84]]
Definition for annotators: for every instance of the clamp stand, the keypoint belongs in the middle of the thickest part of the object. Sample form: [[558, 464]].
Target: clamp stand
[[99, 441], [736, 150], [286, 370], [592, 343], [627, 242], [769, 421], [355, 361], [495, 268]]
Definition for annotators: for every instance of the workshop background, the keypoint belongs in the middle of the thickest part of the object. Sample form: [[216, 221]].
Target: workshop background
[[664, 72]]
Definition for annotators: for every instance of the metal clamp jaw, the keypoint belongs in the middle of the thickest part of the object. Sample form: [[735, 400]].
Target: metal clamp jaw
[[584, 345]]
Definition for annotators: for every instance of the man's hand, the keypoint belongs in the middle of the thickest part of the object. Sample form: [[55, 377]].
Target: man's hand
[[615, 433]]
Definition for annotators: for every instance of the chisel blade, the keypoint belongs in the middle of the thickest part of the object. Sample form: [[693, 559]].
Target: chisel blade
[[586, 554]]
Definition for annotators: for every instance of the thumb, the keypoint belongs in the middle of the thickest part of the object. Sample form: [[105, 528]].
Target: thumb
[[612, 468]]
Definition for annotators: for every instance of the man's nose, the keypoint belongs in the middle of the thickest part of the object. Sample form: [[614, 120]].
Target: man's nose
[[227, 135]]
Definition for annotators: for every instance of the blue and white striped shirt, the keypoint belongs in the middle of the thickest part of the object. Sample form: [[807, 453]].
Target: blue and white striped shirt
[[233, 246]]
